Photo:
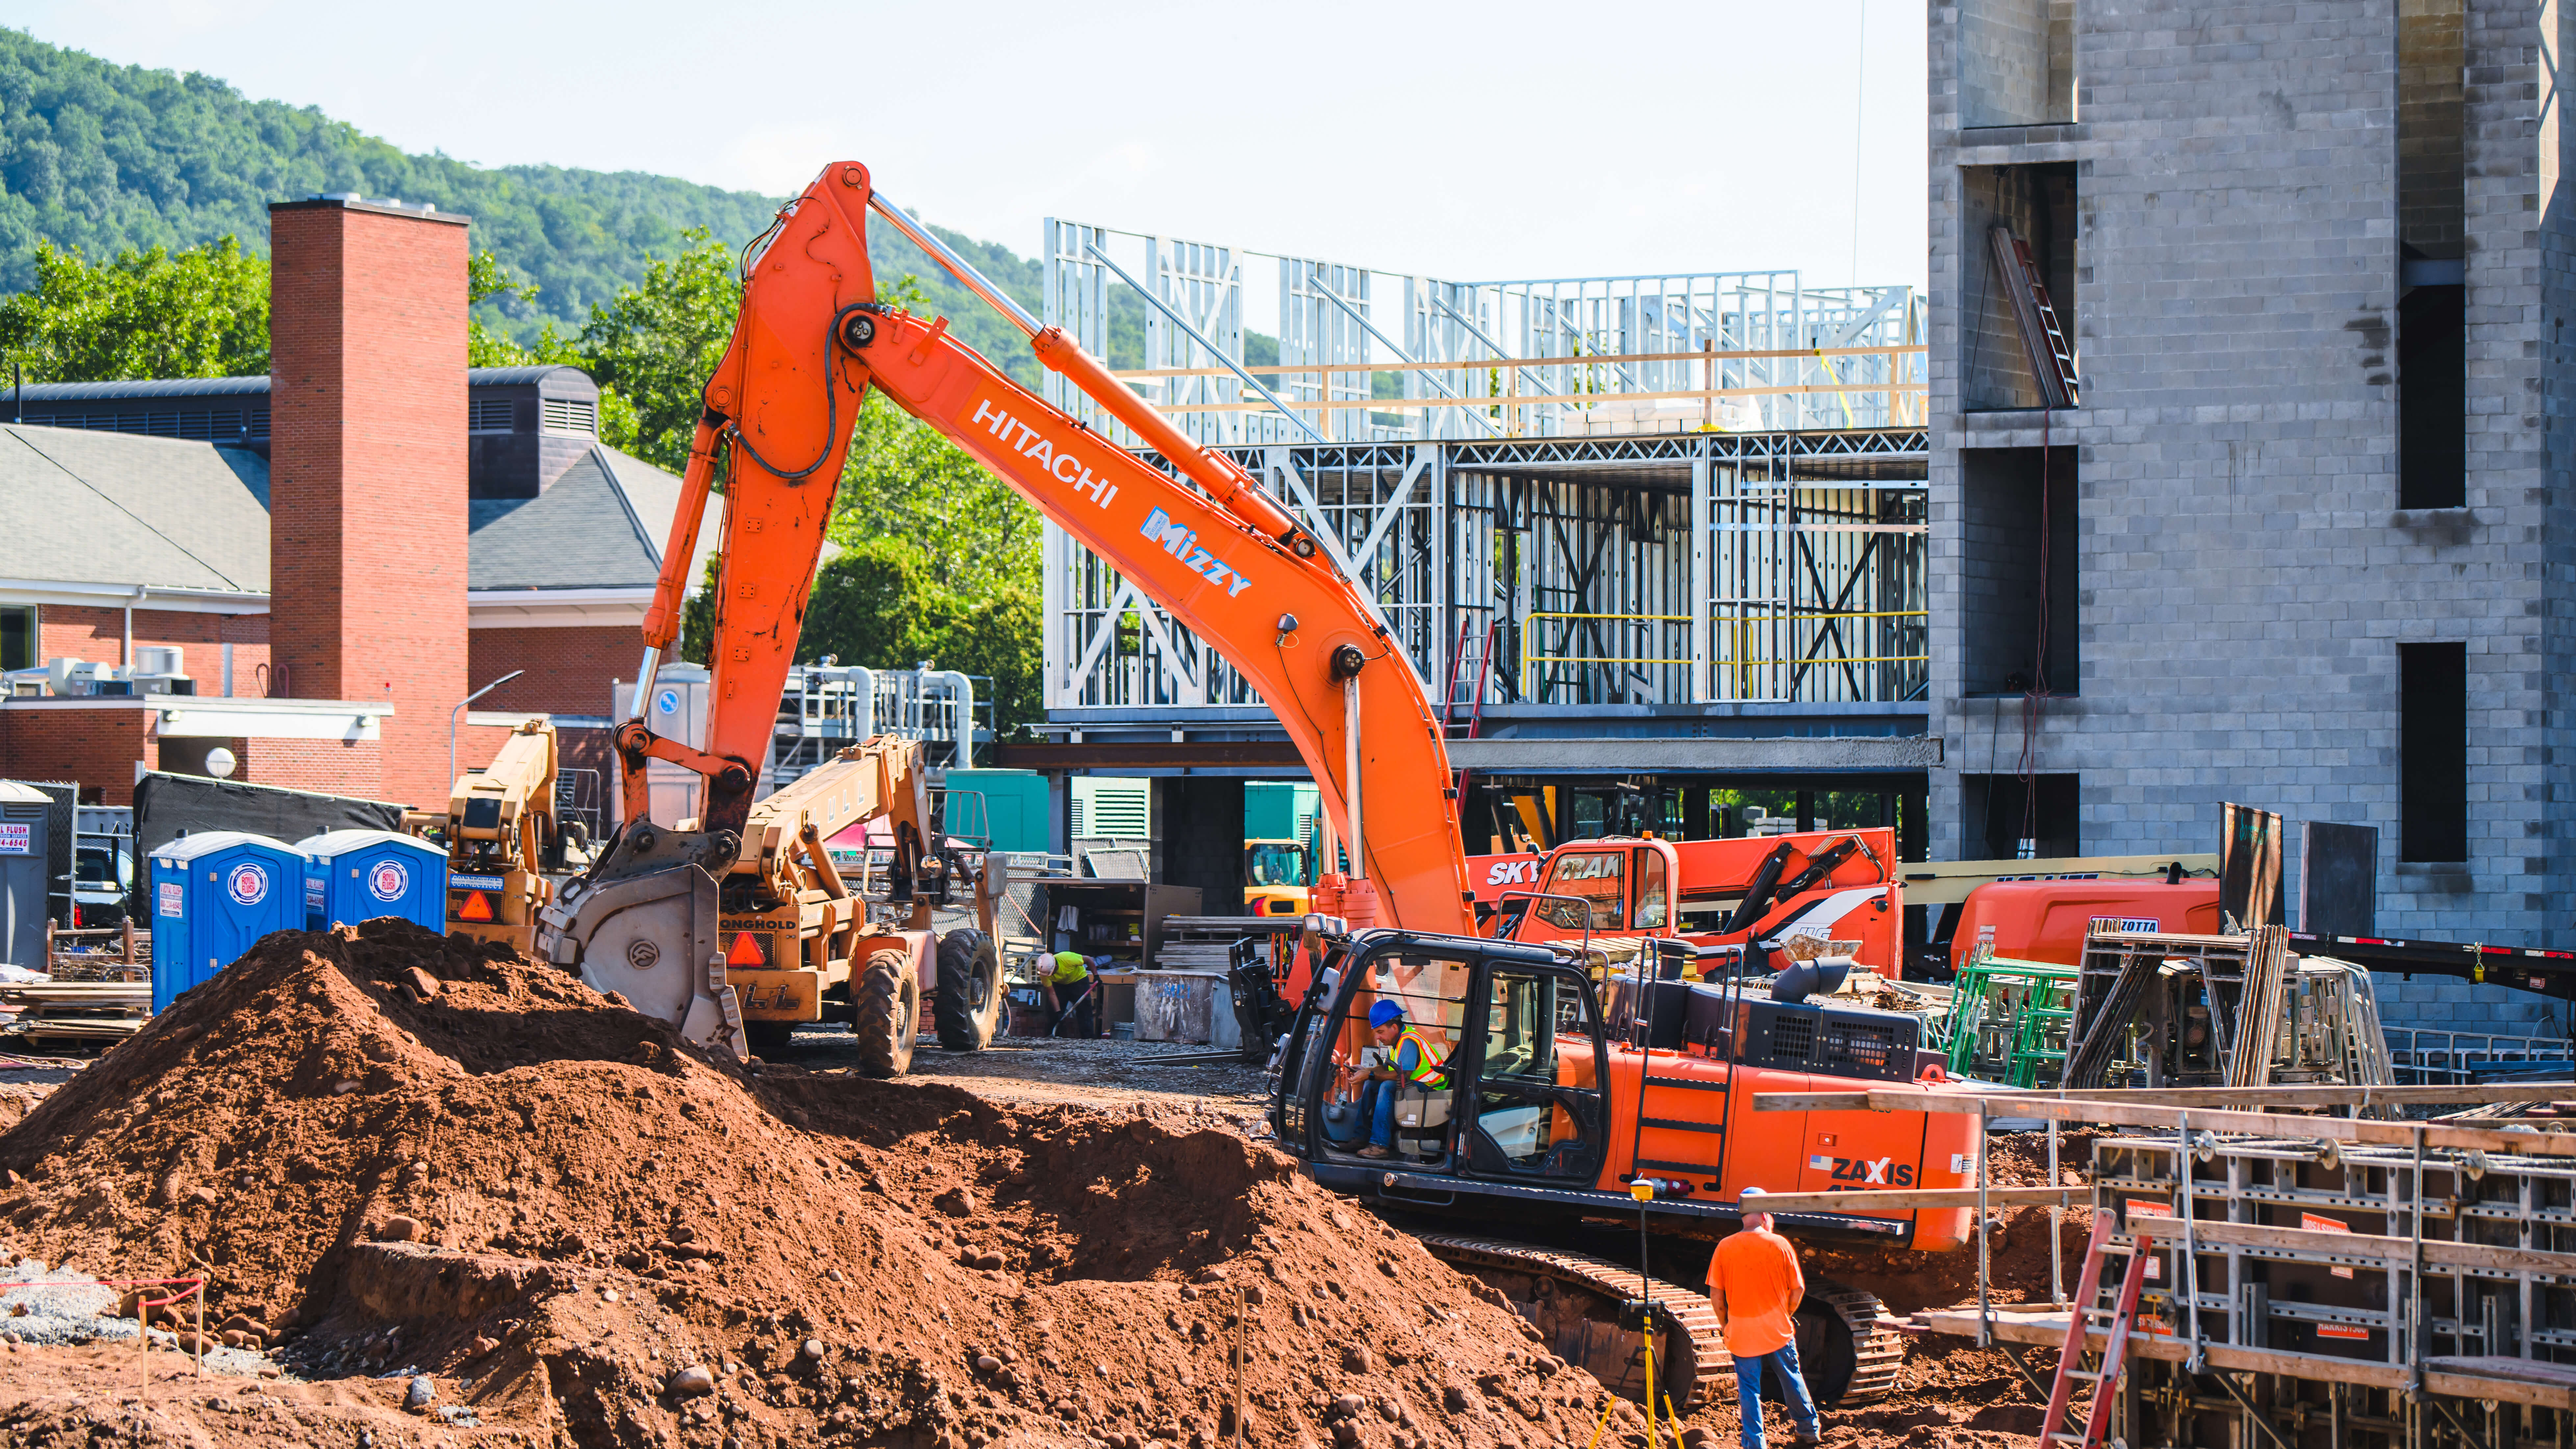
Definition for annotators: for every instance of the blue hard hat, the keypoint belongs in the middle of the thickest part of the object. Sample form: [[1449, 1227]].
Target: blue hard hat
[[1385, 1013]]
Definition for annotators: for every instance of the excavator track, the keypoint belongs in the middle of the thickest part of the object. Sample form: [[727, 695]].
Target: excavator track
[[1697, 1344], [1700, 1362], [1877, 1351]]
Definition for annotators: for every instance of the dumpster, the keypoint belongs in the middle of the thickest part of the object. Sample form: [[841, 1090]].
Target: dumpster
[[358, 875], [213, 895]]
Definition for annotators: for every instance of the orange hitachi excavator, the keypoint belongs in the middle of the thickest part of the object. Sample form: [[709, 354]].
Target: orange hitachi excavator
[[1565, 1078]]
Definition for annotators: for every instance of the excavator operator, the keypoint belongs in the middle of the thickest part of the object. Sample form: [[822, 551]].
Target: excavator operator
[[1407, 1059]]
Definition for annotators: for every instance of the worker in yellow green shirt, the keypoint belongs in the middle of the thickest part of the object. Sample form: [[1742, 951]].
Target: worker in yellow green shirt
[[1070, 986]]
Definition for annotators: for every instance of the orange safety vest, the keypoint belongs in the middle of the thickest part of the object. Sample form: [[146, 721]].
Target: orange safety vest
[[1424, 1074]]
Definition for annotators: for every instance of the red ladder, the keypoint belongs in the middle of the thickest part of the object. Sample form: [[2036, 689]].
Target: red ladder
[[2052, 361], [1467, 670], [2090, 1316]]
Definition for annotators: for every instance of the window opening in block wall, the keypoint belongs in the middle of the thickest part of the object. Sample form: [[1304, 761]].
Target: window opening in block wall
[[2018, 573], [2433, 752], [18, 636], [2432, 300], [2017, 287], [2016, 62], [2022, 817], [490, 415]]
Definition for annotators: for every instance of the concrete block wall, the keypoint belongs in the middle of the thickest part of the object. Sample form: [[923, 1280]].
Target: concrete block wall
[[2245, 575]]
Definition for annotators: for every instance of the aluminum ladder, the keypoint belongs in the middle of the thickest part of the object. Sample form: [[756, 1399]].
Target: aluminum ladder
[[2052, 360]]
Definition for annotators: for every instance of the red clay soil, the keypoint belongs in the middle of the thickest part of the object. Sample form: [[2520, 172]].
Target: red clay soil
[[538, 1198]]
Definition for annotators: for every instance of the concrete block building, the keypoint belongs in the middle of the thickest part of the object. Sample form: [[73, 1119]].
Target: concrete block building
[[2293, 529]]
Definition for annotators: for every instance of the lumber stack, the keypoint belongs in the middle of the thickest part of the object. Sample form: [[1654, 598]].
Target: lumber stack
[[76, 1015]]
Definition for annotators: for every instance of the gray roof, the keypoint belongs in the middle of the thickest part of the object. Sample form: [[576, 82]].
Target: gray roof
[[118, 508], [519, 376], [256, 386], [152, 387], [600, 525]]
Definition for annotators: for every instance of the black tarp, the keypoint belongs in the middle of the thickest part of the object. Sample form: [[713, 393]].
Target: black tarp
[[169, 806]]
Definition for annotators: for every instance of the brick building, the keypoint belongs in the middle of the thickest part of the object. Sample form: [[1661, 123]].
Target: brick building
[[2300, 539], [339, 553]]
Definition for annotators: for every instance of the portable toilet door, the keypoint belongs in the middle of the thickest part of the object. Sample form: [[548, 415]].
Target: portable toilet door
[[24, 854], [213, 896], [363, 874]]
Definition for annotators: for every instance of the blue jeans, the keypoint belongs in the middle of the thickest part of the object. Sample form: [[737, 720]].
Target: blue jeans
[[1377, 1108], [1782, 1362]]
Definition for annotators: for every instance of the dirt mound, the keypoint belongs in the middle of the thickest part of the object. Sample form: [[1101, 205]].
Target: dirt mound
[[407, 1154]]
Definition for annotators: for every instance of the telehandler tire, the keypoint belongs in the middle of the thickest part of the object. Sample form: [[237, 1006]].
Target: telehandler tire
[[968, 1010], [889, 1014]]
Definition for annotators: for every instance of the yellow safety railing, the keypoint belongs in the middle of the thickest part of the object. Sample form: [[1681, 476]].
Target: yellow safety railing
[[1531, 658], [1746, 624], [1743, 626]]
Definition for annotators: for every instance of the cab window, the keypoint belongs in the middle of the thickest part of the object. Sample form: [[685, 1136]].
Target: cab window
[[1652, 912], [1599, 879]]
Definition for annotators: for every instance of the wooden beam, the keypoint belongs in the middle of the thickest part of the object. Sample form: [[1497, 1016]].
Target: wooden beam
[[2438, 1253], [1947, 882], [2050, 1329], [2125, 1114], [2319, 1096], [1903, 1199]]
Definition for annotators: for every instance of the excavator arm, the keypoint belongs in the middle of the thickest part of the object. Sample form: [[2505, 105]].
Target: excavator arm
[[1224, 558]]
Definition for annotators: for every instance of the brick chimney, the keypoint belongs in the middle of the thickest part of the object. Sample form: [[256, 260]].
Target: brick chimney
[[367, 469]]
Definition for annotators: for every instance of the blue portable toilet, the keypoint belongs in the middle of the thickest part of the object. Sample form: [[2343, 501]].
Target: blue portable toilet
[[358, 875], [213, 895]]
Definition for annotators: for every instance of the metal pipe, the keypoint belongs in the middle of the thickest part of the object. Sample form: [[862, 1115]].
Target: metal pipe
[[460, 709], [1351, 770], [1985, 1308], [2056, 1221], [644, 673], [1200, 338], [958, 267]]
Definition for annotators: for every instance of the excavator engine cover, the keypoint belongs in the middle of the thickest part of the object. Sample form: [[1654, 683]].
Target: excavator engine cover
[[644, 925]]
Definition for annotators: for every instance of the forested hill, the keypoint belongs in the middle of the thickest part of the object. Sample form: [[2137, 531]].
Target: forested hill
[[106, 157]]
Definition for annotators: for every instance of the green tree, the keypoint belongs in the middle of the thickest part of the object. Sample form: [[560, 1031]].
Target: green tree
[[656, 343], [886, 603], [904, 480], [202, 312]]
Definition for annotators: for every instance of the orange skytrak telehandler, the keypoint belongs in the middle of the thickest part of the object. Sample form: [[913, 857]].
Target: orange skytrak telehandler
[[1563, 1079]]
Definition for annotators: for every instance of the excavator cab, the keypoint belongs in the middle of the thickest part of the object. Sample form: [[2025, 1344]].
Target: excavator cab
[[1514, 1033]]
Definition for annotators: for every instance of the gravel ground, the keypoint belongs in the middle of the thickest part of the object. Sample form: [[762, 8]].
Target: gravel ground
[[1040, 1069], [63, 1307]]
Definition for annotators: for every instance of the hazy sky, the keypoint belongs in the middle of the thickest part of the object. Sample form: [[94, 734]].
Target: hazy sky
[[1468, 141]]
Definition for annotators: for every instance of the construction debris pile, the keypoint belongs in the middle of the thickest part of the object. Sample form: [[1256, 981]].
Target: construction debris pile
[[398, 1154]]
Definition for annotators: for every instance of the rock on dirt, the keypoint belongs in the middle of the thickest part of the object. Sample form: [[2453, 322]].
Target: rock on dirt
[[596, 1202]]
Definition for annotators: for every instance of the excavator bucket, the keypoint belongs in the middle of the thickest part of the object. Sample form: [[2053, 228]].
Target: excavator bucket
[[651, 936]]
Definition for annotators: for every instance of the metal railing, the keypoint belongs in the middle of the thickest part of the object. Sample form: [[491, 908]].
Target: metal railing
[[1808, 654], [2433, 1056], [1620, 680]]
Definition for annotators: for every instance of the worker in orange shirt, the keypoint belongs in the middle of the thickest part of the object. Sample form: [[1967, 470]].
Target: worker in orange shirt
[[1754, 1287]]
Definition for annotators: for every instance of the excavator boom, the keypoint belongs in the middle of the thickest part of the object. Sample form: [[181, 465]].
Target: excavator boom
[[1221, 556]]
